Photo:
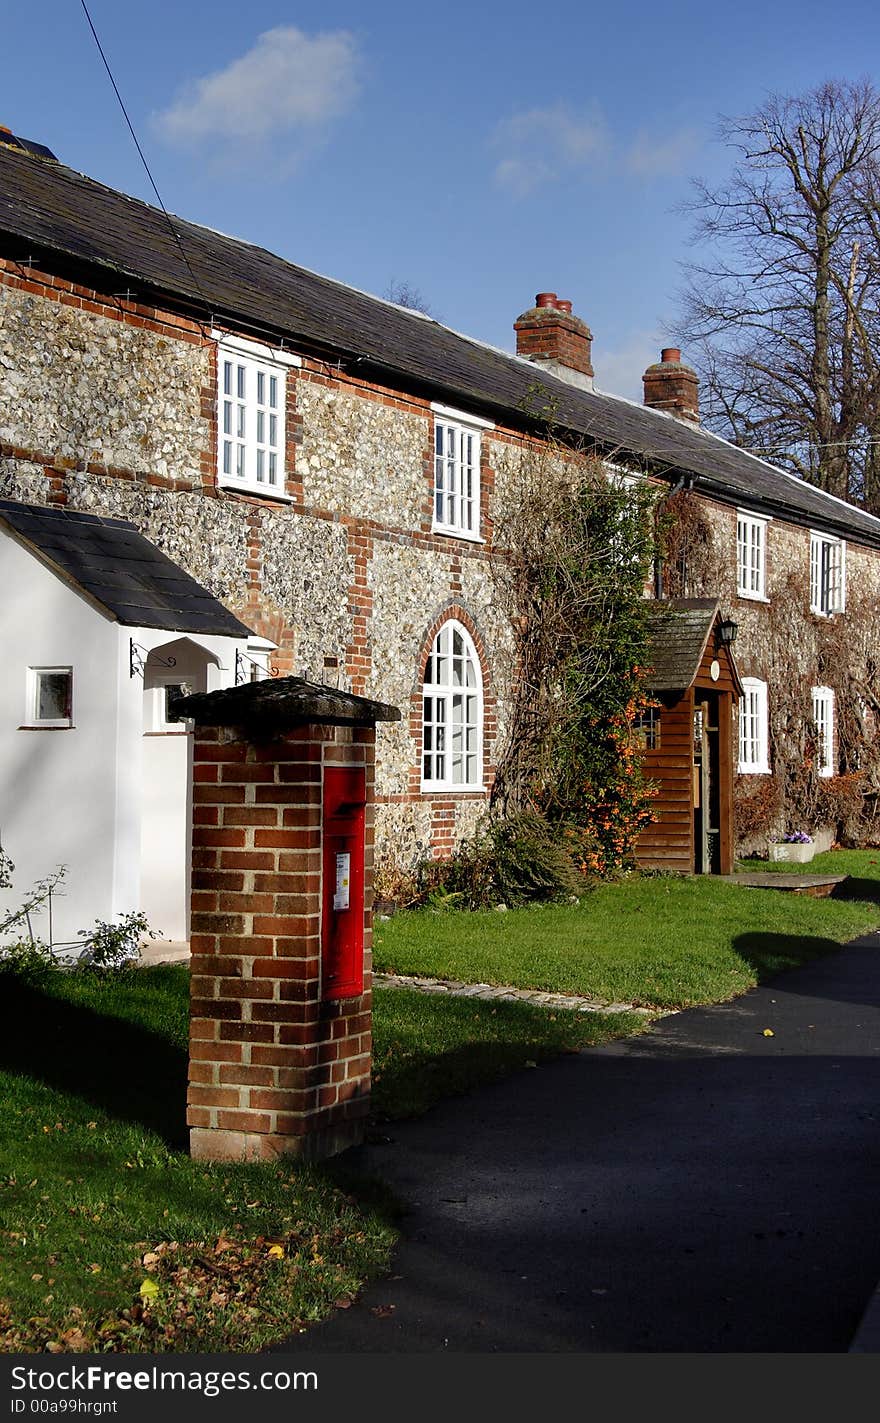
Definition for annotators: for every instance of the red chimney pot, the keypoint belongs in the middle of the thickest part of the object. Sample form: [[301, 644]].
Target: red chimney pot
[[670, 353], [545, 299], [563, 306]]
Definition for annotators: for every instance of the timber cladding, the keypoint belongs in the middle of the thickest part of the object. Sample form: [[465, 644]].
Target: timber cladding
[[668, 843]]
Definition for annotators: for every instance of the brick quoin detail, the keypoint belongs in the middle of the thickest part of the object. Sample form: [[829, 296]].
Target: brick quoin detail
[[274, 1070]]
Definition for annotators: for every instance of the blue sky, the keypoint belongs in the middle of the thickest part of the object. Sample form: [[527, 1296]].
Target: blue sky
[[478, 152]]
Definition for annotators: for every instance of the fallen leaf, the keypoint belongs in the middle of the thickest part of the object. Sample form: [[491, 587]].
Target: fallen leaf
[[149, 1289], [769, 1033], [343, 1303], [383, 1311], [75, 1341], [276, 1251], [150, 1260], [95, 1269]]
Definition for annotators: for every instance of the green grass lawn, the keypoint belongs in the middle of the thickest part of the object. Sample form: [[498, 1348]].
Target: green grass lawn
[[861, 865], [95, 1178], [656, 941], [428, 1047]]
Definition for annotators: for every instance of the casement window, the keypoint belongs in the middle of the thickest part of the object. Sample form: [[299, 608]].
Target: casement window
[[827, 574], [49, 697], [646, 729], [823, 717], [754, 754], [751, 556], [457, 440], [452, 713], [251, 398]]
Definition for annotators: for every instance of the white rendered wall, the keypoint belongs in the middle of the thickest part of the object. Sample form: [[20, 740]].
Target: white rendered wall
[[57, 786], [77, 796]]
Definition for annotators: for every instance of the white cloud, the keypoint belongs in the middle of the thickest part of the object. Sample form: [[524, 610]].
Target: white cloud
[[543, 145], [620, 370], [289, 85], [658, 155]]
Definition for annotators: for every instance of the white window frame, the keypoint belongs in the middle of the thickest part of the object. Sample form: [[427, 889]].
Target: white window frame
[[254, 359], [751, 556], [440, 715], [32, 703], [455, 500], [823, 716], [753, 731], [827, 574]]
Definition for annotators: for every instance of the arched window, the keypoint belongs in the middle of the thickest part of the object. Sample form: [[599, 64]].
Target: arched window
[[452, 713]]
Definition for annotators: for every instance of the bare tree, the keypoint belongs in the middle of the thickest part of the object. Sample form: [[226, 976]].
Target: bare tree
[[782, 310], [404, 294]]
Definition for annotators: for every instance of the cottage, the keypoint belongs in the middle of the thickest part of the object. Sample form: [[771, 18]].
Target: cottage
[[331, 467]]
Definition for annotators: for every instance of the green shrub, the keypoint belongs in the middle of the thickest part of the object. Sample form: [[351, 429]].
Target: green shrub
[[517, 860], [28, 959], [109, 945]]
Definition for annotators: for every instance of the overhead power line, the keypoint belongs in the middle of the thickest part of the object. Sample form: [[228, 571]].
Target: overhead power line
[[137, 145]]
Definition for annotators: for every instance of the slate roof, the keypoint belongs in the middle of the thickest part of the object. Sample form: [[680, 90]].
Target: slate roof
[[121, 570], [678, 631], [276, 703], [46, 207]]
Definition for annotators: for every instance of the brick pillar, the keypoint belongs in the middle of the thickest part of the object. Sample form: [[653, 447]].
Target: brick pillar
[[274, 1070]]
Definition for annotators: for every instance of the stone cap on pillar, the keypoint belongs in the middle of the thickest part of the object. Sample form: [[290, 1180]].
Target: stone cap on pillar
[[277, 703]]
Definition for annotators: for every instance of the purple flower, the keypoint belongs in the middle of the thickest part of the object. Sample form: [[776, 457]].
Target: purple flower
[[797, 837]]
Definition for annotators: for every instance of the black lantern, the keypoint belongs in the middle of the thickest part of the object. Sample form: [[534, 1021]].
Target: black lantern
[[726, 632]]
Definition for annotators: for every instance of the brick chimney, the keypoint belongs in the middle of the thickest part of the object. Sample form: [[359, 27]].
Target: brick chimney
[[672, 386], [560, 343]]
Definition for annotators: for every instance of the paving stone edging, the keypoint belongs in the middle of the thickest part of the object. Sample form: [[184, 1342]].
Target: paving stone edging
[[488, 992]]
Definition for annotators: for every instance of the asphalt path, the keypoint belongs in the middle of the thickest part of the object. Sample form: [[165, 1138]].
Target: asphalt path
[[703, 1188]]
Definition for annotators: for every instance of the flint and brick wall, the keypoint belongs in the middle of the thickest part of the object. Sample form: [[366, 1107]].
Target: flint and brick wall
[[109, 406], [273, 1069]]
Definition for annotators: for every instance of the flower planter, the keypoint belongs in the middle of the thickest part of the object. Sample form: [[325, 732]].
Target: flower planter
[[795, 854]]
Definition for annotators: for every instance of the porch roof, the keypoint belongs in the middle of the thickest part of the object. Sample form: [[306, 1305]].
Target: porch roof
[[119, 569], [678, 633]]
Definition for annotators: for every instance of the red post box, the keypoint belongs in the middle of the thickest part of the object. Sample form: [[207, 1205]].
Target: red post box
[[342, 911]]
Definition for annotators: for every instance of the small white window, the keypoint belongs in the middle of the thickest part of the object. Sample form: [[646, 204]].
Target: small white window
[[827, 574], [49, 696], [251, 397], [823, 716], [457, 472], [452, 713], [751, 556], [754, 756]]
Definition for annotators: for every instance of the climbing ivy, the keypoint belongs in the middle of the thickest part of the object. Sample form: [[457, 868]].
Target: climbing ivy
[[574, 544]]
